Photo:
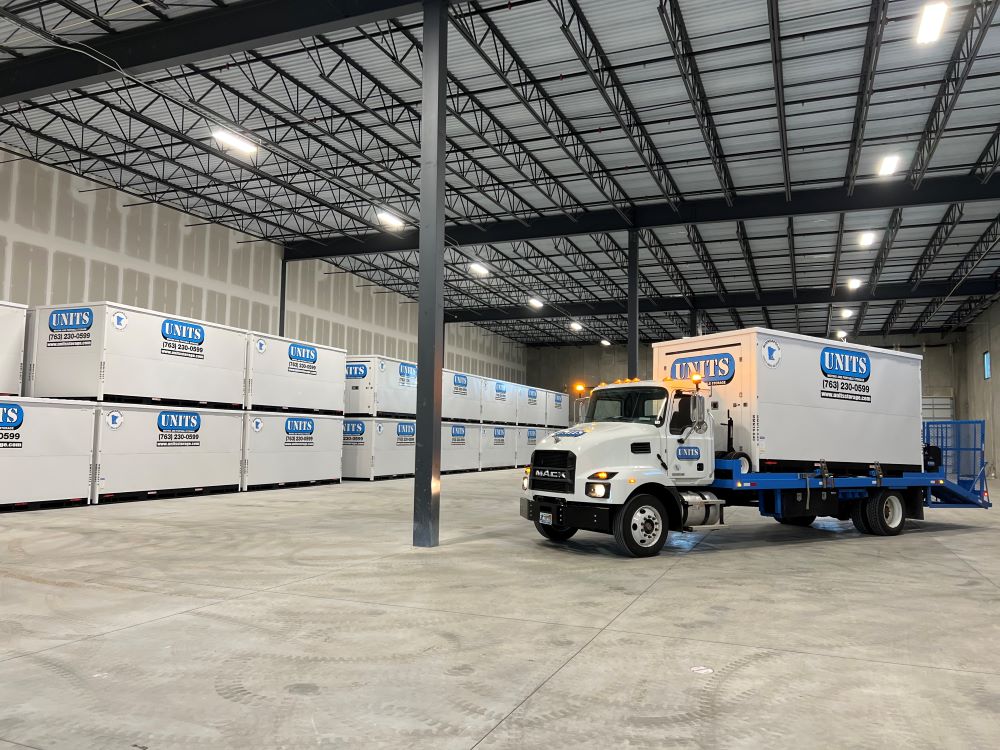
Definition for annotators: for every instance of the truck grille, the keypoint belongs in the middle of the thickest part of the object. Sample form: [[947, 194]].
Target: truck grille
[[553, 471]]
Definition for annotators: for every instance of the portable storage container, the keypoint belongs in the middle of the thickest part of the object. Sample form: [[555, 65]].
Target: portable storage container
[[461, 396], [12, 332], [497, 447], [499, 401], [460, 446], [530, 405], [380, 386], [796, 398], [291, 448], [287, 374], [556, 409], [377, 448], [103, 351], [46, 450], [151, 449], [527, 439]]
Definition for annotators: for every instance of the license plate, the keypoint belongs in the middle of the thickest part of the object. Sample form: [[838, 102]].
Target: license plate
[[545, 518]]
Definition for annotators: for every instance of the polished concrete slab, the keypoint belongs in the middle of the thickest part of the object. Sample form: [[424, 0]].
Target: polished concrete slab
[[302, 619]]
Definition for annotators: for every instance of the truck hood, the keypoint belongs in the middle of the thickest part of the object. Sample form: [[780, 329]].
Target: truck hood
[[596, 436]]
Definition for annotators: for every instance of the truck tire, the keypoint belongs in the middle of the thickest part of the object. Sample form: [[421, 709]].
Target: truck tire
[[555, 533], [885, 513], [859, 517], [797, 521], [641, 526], [745, 464]]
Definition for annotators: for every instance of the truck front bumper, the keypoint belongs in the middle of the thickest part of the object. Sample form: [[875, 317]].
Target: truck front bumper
[[587, 516]]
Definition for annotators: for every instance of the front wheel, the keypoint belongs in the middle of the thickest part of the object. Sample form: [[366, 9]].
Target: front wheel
[[641, 526], [555, 533], [798, 521]]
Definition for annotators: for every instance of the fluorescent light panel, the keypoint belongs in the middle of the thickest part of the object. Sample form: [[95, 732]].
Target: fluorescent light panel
[[867, 239], [479, 269], [931, 22], [234, 141], [575, 326], [536, 303], [888, 165], [853, 284], [605, 342], [842, 335], [389, 220], [846, 313]]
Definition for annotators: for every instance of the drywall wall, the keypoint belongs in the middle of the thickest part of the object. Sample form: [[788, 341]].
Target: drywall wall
[[979, 398], [64, 239]]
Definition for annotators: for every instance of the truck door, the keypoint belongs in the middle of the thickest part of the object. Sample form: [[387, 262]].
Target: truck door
[[690, 444]]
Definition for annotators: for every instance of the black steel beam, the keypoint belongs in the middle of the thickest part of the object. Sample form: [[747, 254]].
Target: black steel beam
[[633, 304], [805, 202], [734, 300], [282, 297], [777, 65], [188, 38], [877, 18]]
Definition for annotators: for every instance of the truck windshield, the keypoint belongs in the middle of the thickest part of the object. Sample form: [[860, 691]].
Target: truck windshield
[[626, 405]]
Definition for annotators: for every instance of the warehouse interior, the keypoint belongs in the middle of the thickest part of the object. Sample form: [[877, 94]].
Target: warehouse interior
[[515, 199]]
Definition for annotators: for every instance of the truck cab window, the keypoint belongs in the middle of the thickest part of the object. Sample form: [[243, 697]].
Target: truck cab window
[[642, 405], [680, 416]]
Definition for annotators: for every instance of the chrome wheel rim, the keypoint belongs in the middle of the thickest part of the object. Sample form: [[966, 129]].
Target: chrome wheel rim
[[892, 511], [646, 526]]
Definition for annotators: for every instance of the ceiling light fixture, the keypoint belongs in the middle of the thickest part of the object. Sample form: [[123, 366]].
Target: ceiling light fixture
[[842, 335], [931, 22], [853, 284], [479, 269], [605, 342], [888, 165], [867, 239], [389, 220], [574, 326], [536, 303], [237, 142], [845, 314]]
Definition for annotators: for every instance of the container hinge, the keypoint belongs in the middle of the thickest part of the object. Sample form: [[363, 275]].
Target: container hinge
[[877, 471]]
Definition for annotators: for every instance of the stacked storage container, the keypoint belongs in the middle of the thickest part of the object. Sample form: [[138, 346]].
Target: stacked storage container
[[531, 404], [527, 439], [461, 396], [293, 429], [379, 448], [498, 446], [556, 409], [380, 386], [12, 332]]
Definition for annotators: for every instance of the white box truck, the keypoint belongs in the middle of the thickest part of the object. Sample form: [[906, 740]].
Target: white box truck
[[798, 427], [294, 375], [46, 450], [499, 401], [461, 396], [380, 386], [151, 450], [556, 409], [460, 446], [531, 403], [497, 446], [105, 351], [12, 332], [283, 449], [379, 448]]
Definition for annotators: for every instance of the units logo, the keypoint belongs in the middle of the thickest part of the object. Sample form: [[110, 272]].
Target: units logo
[[357, 371], [354, 432], [11, 419], [178, 428], [559, 400], [532, 436], [499, 436], [407, 374], [713, 368], [299, 431], [406, 433], [70, 326], [460, 384], [688, 453], [532, 396], [458, 435], [303, 359], [845, 374], [500, 391], [182, 339]]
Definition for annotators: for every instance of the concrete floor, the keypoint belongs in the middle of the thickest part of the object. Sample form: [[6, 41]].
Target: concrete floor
[[303, 619]]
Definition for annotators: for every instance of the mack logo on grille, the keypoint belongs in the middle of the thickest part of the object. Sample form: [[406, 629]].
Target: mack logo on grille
[[300, 426], [302, 353], [845, 363], [356, 371], [178, 330], [354, 427], [11, 416], [71, 319], [178, 421], [713, 368], [550, 474]]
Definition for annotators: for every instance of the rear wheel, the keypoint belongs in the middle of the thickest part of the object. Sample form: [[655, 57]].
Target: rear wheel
[[555, 533], [859, 517], [886, 513], [798, 521], [743, 458], [641, 526]]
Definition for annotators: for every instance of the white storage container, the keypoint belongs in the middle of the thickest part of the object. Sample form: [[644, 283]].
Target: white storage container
[[461, 396], [291, 448], [150, 449], [797, 398], [527, 439], [12, 332], [530, 405], [377, 448], [499, 401], [287, 374], [46, 450], [103, 350], [557, 409], [460, 446], [380, 386], [497, 447]]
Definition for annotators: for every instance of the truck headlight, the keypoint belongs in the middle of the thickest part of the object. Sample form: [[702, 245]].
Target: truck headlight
[[524, 483], [596, 489]]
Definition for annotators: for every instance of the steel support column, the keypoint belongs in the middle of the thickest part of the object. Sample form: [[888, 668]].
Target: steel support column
[[282, 296], [430, 327], [633, 304], [694, 323]]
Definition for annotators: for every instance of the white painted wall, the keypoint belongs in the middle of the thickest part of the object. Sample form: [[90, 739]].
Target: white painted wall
[[64, 239]]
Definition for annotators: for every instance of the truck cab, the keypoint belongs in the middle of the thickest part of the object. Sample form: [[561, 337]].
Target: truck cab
[[637, 464]]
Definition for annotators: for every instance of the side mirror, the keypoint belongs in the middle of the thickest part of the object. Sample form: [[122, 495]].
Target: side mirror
[[697, 410]]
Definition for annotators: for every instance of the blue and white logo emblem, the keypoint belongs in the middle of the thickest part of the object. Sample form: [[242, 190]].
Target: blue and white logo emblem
[[261, 346], [499, 433], [71, 319], [713, 368], [115, 419], [300, 426], [568, 433], [183, 332], [458, 431], [688, 452], [11, 416], [460, 381], [406, 429], [303, 353], [178, 421], [845, 363], [119, 320], [407, 371], [354, 427], [532, 436], [357, 371], [257, 424], [559, 400], [770, 352]]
